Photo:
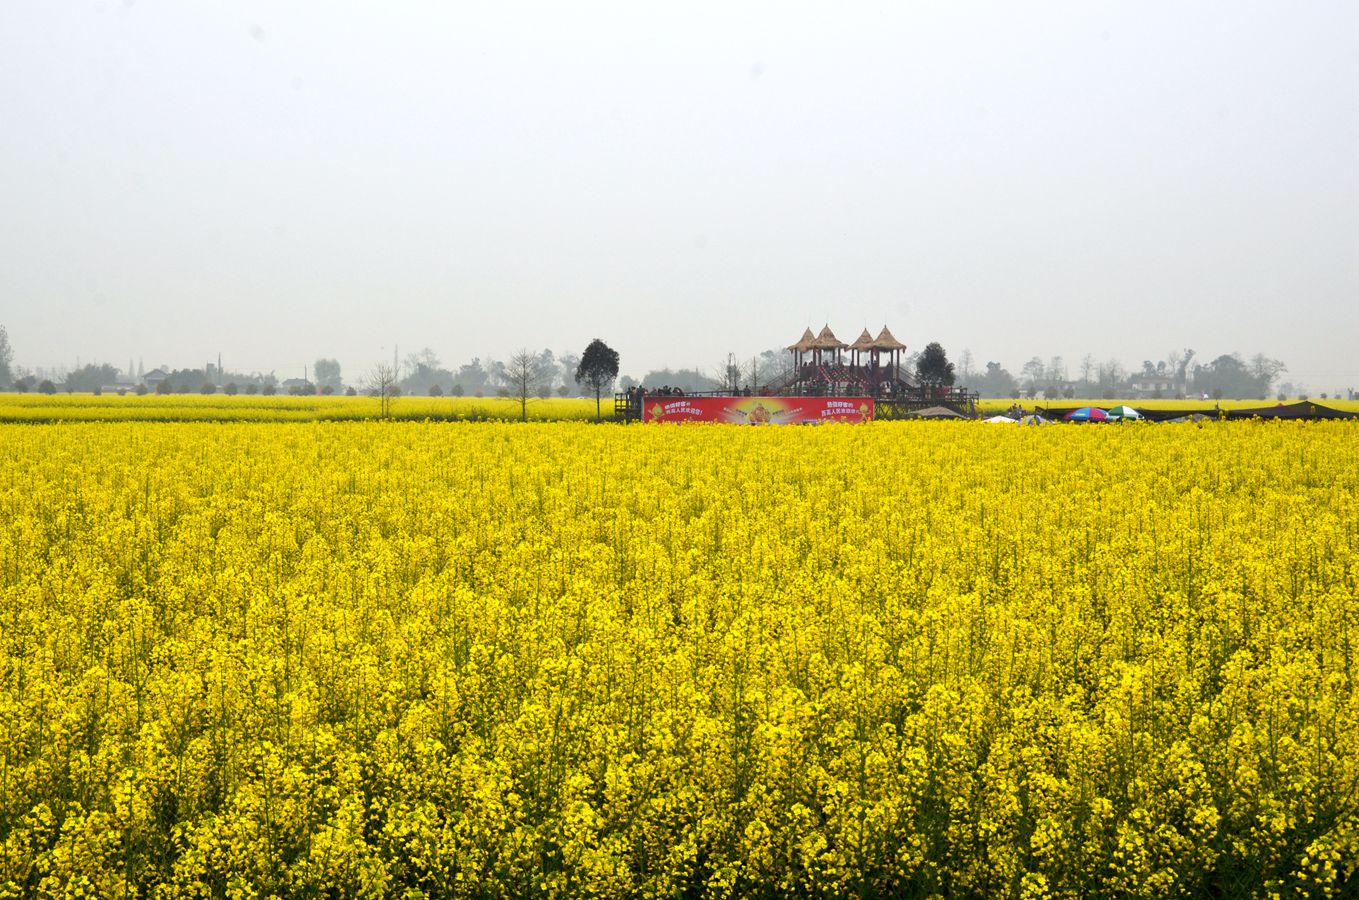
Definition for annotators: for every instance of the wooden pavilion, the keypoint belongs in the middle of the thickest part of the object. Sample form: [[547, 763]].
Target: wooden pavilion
[[873, 366], [825, 366]]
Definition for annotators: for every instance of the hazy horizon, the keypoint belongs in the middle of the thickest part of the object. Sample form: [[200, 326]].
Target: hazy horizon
[[278, 182]]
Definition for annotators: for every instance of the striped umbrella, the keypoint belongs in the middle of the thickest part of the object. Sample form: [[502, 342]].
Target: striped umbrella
[[1087, 414]]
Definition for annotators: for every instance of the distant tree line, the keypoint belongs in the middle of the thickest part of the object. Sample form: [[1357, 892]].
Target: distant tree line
[[1178, 375], [423, 373], [527, 375]]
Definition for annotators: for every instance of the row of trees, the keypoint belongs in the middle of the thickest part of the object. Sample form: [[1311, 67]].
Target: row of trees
[[524, 376], [425, 374], [1177, 376], [555, 374], [95, 378], [419, 373]]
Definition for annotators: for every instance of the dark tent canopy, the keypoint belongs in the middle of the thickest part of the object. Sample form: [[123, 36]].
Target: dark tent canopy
[[1303, 409]]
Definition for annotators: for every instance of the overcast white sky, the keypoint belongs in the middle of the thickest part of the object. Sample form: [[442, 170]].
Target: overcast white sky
[[282, 180]]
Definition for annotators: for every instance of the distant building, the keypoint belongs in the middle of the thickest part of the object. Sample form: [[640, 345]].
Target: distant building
[[1060, 389], [1144, 387], [154, 378], [297, 386]]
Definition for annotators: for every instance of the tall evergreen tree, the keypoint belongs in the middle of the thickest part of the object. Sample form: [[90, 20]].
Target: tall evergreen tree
[[597, 370], [933, 366]]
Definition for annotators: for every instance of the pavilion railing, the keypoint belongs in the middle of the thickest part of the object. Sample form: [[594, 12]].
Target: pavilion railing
[[893, 400]]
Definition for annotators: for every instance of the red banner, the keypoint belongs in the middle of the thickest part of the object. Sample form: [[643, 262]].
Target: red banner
[[757, 410]]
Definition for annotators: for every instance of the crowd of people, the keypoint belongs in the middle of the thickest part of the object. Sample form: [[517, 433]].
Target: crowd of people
[[636, 393]]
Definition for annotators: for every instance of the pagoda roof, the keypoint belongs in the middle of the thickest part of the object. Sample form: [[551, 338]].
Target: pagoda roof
[[886, 341], [804, 343], [827, 340], [863, 342]]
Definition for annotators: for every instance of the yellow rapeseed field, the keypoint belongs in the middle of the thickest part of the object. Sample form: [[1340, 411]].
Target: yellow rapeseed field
[[110, 407], [501, 660]]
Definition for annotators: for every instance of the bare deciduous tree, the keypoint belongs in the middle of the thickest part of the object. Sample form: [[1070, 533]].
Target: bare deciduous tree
[[6, 359], [1177, 364], [1087, 371], [966, 365], [525, 375], [1266, 371], [381, 383]]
